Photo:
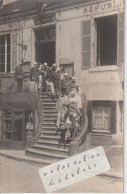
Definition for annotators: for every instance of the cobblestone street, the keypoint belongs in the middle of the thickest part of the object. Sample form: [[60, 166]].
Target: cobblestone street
[[16, 176]]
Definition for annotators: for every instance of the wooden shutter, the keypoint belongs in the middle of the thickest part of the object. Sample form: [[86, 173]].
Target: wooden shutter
[[13, 51], [113, 123], [120, 38], [86, 44], [90, 115]]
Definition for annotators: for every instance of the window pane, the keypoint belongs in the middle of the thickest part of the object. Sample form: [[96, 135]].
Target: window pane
[[102, 117], [8, 39], [8, 58], [8, 49], [2, 67], [2, 40], [8, 67], [2, 49], [2, 58]]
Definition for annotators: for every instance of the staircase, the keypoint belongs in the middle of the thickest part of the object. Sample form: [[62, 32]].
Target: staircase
[[46, 146]]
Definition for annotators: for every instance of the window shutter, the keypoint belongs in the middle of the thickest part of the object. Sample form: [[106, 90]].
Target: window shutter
[[120, 38], [90, 115], [13, 51], [113, 123], [86, 44]]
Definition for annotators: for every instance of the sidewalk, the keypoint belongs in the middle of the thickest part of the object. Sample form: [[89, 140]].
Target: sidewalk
[[114, 155]]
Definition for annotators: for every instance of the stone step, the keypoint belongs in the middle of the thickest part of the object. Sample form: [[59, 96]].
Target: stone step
[[49, 118], [49, 138], [46, 99], [49, 121], [48, 128], [44, 154], [50, 108], [53, 119], [49, 105], [50, 143], [49, 111], [49, 124], [50, 149], [50, 133], [49, 115]]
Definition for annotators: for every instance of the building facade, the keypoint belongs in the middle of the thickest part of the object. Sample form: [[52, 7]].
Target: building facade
[[87, 37]]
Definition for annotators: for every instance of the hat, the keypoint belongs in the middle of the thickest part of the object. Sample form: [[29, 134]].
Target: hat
[[76, 85], [72, 94], [35, 63], [73, 78], [66, 74], [54, 65], [45, 64], [58, 69]]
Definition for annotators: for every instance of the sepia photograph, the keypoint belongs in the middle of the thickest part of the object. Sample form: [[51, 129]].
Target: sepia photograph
[[62, 96]]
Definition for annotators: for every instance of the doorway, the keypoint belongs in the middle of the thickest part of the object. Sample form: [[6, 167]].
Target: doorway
[[18, 125], [45, 52], [45, 40]]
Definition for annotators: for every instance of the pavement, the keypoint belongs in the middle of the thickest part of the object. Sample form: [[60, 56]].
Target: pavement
[[22, 177], [115, 155]]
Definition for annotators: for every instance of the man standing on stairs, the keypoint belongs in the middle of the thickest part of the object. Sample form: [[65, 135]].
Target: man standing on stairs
[[50, 80], [63, 99]]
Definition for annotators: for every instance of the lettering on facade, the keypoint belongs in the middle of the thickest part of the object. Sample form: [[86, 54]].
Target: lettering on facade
[[103, 7]]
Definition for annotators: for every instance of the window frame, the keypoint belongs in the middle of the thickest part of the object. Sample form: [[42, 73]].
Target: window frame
[[103, 105], [10, 53], [94, 53], [6, 52]]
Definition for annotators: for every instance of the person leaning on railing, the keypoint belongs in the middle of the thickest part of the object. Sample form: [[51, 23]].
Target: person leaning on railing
[[19, 76]]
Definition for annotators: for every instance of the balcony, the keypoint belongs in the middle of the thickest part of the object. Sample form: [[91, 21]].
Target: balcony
[[9, 84], [18, 93]]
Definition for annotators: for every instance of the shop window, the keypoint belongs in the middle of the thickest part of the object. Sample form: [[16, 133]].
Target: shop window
[[102, 117], [29, 122], [13, 125], [7, 125], [106, 40]]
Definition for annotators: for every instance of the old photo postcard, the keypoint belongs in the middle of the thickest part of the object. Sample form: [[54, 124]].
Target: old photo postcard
[[62, 96]]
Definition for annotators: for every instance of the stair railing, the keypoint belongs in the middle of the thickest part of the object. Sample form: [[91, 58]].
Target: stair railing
[[79, 133]]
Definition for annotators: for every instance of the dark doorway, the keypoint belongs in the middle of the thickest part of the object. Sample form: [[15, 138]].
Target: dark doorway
[[45, 52], [45, 45], [107, 40], [18, 125]]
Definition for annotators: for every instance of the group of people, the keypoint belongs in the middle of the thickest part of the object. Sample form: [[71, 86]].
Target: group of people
[[46, 78], [70, 101], [70, 97]]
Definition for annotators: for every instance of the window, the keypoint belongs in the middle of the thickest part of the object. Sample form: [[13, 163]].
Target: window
[[102, 116], [106, 40], [8, 52], [5, 52]]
